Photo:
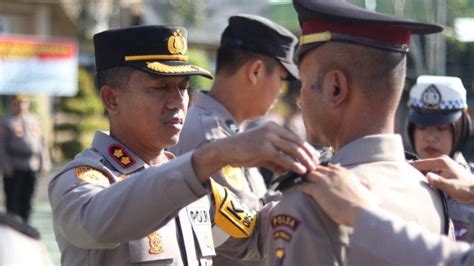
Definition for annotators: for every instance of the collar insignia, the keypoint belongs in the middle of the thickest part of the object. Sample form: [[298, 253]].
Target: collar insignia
[[121, 156], [431, 97], [177, 43]]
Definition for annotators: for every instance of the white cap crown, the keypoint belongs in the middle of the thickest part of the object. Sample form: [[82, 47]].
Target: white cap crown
[[440, 93]]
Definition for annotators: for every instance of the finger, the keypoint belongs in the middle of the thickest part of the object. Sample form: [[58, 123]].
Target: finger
[[315, 176], [287, 134], [274, 168], [315, 154], [429, 165], [286, 162], [439, 182], [295, 151]]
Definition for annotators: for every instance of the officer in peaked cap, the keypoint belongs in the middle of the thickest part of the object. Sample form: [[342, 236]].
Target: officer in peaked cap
[[439, 124], [255, 57], [352, 66], [126, 200]]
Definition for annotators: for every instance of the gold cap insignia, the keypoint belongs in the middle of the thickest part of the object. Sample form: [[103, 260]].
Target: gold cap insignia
[[177, 43], [91, 175], [121, 156], [154, 240]]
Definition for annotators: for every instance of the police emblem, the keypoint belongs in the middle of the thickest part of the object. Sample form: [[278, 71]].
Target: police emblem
[[431, 97], [177, 43], [154, 240], [234, 176], [91, 175]]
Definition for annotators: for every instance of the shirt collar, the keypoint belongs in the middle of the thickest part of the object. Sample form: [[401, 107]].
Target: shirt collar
[[368, 149], [208, 103], [122, 158]]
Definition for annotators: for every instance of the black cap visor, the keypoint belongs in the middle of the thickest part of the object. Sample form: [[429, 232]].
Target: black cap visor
[[171, 68], [433, 119], [291, 68]]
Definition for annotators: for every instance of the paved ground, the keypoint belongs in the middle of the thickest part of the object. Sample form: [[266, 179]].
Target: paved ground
[[41, 217]]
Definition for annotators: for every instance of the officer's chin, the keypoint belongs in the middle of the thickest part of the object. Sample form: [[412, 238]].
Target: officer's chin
[[173, 140]]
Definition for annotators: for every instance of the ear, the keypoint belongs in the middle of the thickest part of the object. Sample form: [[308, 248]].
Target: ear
[[337, 87], [109, 98], [254, 71]]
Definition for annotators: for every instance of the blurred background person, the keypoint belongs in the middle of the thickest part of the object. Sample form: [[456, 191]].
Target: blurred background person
[[439, 124], [23, 154]]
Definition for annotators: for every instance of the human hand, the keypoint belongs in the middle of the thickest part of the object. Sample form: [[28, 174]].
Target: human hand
[[269, 145], [449, 176], [338, 192]]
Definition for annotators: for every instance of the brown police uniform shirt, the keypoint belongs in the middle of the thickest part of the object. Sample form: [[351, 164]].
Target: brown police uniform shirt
[[111, 208], [302, 234], [208, 120]]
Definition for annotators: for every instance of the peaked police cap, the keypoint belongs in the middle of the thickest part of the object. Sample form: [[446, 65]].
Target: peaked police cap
[[158, 50]]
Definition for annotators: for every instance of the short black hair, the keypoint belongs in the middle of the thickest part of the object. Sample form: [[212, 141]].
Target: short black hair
[[229, 60], [116, 77], [380, 74]]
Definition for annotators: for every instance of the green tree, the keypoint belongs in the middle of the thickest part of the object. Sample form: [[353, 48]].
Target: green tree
[[200, 59], [80, 117]]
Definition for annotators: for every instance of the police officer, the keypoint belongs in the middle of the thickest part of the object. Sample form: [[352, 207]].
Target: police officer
[[127, 201], [253, 60], [352, 68], [23, 154], [382, 234], [439, 124]]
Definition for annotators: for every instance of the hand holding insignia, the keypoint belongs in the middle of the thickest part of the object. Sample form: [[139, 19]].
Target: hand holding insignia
[[449, 176], [269, 145]]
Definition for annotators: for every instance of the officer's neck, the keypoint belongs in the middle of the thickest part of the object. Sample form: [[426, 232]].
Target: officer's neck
[[150, 154], [230, 93], [354, 127]]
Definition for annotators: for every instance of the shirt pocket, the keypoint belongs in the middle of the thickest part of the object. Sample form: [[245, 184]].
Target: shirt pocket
[[159, 246]]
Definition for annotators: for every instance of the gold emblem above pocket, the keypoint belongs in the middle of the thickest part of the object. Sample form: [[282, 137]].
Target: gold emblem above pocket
[[154, 240]]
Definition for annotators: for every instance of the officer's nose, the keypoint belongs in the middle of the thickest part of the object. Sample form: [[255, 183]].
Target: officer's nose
[[431, 135], [178, 99]]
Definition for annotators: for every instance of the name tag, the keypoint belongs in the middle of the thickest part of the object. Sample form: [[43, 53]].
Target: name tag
[[199, 216]]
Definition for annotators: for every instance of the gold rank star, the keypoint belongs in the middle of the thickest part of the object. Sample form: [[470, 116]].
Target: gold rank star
[[118, 153], [125, 160]]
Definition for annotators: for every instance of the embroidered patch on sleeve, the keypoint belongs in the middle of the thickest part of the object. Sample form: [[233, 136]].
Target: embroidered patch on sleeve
[[285, 221], [231, 215], [282, 234], [91, 175]]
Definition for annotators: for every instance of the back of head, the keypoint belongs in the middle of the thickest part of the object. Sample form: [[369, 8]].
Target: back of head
[[440, 100], [250, 37]]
